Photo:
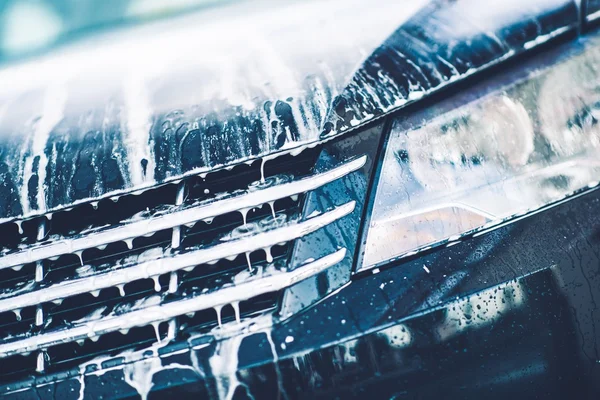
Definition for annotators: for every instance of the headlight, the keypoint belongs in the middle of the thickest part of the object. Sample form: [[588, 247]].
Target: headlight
[[507, 153]]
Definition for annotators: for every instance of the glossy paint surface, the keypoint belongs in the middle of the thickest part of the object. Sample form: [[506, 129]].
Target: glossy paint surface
[[510, 312], [136, 107]]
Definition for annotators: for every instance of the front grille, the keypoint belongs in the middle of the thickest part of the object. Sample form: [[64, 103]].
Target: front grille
[[170, 262]]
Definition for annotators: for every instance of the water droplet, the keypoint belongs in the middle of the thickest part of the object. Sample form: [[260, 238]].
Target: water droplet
[[176, 237], [244, 212], [272, 205], [156, 327], [156, 284], [262, 169], [218, 311], [39, 271], [236, 310], [121, 289], [17, 312], [80, 255], [268, 254], [173, 282], [172, 330], [248, 261], [180, 197], [39, 316]]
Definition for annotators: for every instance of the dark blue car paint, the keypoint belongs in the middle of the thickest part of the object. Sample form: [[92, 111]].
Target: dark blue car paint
[[547, 347]]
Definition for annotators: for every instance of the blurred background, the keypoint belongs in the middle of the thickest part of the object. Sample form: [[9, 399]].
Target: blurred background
[[30, 26]]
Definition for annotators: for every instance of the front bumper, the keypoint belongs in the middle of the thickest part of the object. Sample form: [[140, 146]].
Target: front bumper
[[509, 313]]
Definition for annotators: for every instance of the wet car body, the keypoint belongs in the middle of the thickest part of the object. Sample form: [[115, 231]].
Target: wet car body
[[507, 311]]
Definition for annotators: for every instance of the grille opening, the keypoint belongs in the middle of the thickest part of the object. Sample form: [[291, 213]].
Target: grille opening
[[69, 265], [15, 367], [242, 175], [11, 325], [205, 233], [155, 239], [70, 355], [107, 256], [142, 286], [211, 276], [12, 236], [71, 222], [9, 232], [11, 280], [109, 212], [63, 267], [84, 305], [78, 307], [115, 252], [205, 320], [30, 229]]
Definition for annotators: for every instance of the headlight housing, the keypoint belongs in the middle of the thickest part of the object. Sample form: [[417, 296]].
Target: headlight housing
[[518, 147]]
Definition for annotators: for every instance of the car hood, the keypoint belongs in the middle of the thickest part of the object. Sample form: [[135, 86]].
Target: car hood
[[128, 109]]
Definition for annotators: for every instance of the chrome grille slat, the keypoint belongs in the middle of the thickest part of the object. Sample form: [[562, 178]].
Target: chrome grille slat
[[190, 214], [172, 263], [167, 311]]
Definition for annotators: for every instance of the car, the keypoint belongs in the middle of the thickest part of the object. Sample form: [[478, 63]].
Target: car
[[285, 200]]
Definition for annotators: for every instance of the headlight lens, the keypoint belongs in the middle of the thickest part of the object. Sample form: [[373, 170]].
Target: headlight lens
[[505, 154]]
